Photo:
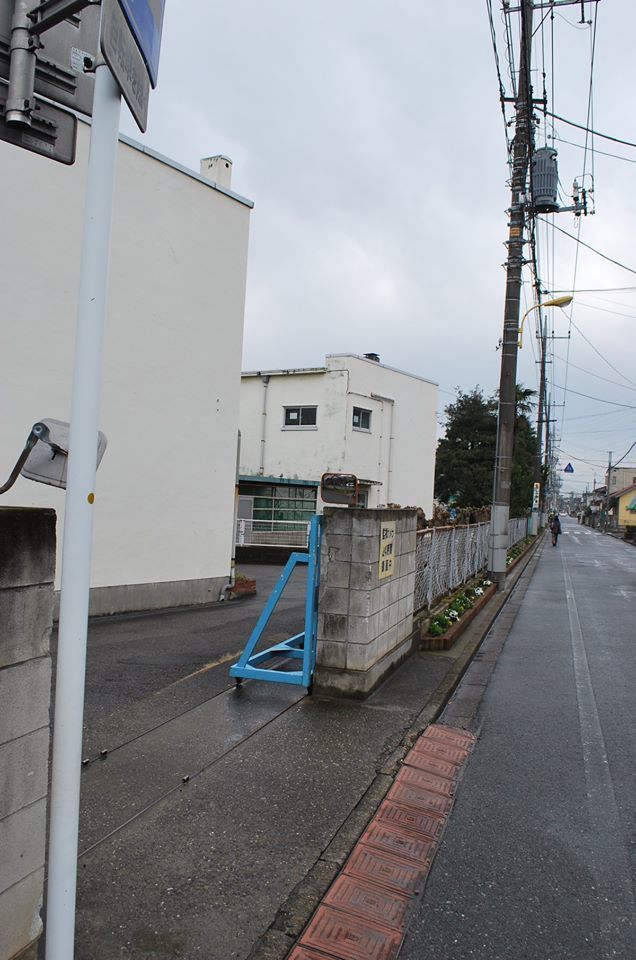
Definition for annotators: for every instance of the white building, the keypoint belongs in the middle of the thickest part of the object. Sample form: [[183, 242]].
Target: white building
[[172, 358], [353, 415]]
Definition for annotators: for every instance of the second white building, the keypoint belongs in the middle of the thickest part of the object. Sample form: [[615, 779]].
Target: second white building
[[352, 415]]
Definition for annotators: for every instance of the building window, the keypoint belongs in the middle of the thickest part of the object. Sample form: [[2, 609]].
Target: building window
[[299, 418], [280, 502], [361, 419]]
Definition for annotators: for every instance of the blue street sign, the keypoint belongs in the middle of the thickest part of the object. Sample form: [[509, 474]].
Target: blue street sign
[[145, 18], [568, 469]]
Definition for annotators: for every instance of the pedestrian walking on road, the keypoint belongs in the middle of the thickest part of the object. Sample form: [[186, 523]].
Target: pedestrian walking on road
[[555, 528]]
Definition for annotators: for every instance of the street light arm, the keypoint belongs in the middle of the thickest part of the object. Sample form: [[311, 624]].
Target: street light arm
[[530, 309], [556, 302]]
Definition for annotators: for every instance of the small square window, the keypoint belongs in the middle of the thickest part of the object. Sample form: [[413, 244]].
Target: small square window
[[300, 417], [361, 419]]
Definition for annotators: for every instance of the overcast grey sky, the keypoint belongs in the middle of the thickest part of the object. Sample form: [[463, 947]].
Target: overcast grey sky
[[370, 137]]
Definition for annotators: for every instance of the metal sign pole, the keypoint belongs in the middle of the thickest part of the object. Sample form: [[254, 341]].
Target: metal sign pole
[[78, 520]]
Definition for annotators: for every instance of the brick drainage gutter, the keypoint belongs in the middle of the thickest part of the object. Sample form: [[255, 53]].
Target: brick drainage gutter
[[295, 913]]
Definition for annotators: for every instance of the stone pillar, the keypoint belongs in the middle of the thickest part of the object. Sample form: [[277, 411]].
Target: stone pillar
[[365, 608], [27, 567]]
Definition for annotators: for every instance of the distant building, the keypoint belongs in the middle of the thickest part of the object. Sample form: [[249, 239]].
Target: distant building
[[620, 477], [624, 506], [172, 360], [352, 415]]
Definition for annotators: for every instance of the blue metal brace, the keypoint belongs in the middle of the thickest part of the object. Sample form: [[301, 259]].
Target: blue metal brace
[[300, 647]]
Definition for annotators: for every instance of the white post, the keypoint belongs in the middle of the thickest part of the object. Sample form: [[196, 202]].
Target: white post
[[78, 520]]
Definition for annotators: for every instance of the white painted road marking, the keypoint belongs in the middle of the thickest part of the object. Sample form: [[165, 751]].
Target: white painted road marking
[[610, 860]]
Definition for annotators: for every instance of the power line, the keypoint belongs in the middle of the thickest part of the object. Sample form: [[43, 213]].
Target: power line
[[595, 290], [589, 119], [592, 374], [592, 416], [502, 91], [570, 456], [598, 352], [607, 431], [615, 313], [580, 126], [602, 153], [629, 406], [578, 240], [624, 455]]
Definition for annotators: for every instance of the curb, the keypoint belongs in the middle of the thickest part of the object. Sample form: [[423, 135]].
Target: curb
[[295, 912]]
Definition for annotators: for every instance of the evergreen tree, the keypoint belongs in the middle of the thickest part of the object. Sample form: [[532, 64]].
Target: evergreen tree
[[466, 454], [524, 452]]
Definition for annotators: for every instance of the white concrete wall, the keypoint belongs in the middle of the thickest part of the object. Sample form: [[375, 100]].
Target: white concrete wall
[[305, 453], [406, 477], [164, 499]]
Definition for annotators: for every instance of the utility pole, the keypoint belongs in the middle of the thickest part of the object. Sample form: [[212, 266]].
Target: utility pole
[[508, 379], [607, 491], [538, 460]]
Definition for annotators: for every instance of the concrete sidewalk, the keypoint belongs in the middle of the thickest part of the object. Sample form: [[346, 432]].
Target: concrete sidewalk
[[215, 832], [539, 858]]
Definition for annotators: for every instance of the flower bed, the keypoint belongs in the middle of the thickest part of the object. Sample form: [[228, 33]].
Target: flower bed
[[444, 627], [515, 553]]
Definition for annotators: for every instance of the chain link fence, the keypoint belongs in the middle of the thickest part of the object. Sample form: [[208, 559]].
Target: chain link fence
[[446, 557], [517, 530]]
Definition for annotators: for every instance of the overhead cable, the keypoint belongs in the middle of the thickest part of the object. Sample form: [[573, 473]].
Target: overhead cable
[[625, 454], [592, 374], [603, 358], [580, 126], [593, 290], [587, 246], [602, 153], [615, 403]]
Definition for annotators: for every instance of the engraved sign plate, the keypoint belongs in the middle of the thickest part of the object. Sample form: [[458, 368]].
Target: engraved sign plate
[[125, 61]]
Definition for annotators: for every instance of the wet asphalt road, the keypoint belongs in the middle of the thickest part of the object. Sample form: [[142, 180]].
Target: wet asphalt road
[[539, 858], [143, 669]]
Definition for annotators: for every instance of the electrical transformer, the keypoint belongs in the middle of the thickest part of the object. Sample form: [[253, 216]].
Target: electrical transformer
[[545, 180]]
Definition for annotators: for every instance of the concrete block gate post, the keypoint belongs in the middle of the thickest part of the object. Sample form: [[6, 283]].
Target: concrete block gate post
[[365, 607], [27, 567]]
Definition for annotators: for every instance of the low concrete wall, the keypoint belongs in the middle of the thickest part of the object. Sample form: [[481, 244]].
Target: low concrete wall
[[129, 598], [365, 613], [27, 568]]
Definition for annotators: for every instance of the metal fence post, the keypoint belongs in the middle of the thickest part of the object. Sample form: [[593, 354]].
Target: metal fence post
[[431, 563], [453, 558]]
